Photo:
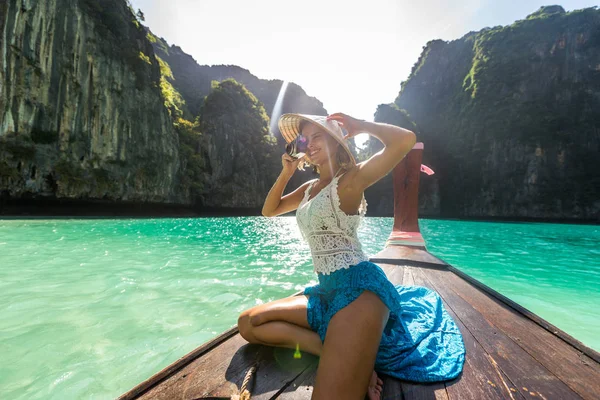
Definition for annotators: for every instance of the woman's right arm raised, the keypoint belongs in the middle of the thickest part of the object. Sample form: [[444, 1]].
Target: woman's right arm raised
[[274, 203]]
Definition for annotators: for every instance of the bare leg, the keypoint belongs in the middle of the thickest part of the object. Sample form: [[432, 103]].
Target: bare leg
[[285, 334], [280, 323], [348, 355]]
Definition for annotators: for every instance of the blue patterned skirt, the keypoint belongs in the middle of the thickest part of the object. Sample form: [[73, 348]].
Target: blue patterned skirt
[[420, 342]]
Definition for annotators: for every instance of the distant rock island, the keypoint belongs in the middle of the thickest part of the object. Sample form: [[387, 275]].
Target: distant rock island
[[510, 119]]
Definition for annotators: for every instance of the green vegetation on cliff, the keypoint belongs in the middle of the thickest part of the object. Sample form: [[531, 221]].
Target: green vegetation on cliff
[[194, 161], [215, 106], [117, 28], [510, 116], [391, 114], [173, 99], [194, 82], [109, 111], [231, 104], [243, 155], [231, 117], [82, 116]]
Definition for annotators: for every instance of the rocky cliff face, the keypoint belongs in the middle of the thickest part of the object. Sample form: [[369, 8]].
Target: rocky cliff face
[[243, 157], [88, 112], [510, 118], [193, 81], [81, 113]]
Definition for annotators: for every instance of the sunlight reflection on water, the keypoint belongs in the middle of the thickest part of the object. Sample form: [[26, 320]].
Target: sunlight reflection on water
[[89, 308]]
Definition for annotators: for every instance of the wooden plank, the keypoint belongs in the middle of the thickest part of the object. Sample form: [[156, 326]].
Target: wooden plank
[[510, 386], [301, 388], [408, 277], [177, 365], [530, 377], [394, 273], [403, 255], [479, 378], [576, 369], [217, 373], [392, 388], [220, 373], [432, 391], [591, 353], [277, 369]]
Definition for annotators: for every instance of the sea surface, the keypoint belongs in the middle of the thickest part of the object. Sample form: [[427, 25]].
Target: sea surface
[[91, 307]]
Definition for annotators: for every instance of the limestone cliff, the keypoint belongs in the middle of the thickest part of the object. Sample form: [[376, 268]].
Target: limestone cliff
[[89, 112], [510, 118], [81, 113], [243, 156], [193, 81], [188, 84]]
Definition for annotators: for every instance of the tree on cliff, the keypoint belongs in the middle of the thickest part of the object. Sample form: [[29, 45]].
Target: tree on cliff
[[391, 114], [509, 117], [231, 104], [243, 155]]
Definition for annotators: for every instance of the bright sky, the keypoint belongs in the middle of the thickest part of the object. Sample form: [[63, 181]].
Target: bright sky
[[351, 55]]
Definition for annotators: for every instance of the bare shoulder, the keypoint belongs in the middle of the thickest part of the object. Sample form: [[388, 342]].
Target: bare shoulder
[[308, 183], [302, 188], [290, 201]]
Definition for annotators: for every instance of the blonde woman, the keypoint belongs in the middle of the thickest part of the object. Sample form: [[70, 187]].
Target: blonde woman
[[355, 319]]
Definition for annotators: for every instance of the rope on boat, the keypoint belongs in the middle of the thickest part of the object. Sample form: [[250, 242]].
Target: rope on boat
[[245, 391]]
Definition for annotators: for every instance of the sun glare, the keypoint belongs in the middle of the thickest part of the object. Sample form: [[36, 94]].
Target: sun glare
[[277, 108]]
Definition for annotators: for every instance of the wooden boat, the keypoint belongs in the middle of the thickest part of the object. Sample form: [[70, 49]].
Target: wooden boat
[[511, 352]]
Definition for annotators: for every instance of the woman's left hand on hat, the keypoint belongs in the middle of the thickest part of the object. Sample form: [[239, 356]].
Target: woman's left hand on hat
[[352, 125]]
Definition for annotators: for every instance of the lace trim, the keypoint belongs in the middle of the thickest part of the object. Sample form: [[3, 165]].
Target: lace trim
[[362, 207], [309, 189], [326, 264], [329, 231]]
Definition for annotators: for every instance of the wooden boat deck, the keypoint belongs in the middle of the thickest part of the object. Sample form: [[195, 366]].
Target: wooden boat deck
[[511, 353]]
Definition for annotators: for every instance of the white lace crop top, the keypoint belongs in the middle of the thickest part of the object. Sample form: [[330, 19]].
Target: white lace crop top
[[330, 232]]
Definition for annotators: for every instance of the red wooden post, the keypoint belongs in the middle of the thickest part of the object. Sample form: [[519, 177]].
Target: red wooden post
[[406, 201]]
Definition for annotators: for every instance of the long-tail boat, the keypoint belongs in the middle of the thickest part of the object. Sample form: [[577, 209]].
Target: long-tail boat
[[511, 352]]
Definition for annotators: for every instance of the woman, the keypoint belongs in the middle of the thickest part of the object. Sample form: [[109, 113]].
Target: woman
[[354, 319]]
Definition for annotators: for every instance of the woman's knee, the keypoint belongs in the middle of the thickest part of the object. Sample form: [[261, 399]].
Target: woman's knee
[[246, 323], [245, 327], [257, 319]]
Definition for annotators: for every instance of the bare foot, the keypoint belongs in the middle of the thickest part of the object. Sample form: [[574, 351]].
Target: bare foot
[[375, 387]]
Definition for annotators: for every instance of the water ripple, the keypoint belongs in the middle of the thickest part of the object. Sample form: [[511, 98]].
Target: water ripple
[[89, 308]]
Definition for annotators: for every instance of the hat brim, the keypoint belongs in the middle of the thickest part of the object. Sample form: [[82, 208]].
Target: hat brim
[[289, 126]]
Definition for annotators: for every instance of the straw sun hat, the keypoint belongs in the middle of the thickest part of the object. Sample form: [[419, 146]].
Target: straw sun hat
[[289, 125]]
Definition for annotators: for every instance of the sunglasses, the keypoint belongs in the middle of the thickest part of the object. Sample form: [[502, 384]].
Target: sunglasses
[[297, 147]]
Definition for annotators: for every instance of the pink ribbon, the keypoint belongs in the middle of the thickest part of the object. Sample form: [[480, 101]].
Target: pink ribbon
[[426, 169]]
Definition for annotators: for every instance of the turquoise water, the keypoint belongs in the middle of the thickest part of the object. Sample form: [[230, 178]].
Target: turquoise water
[[89, 308]]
